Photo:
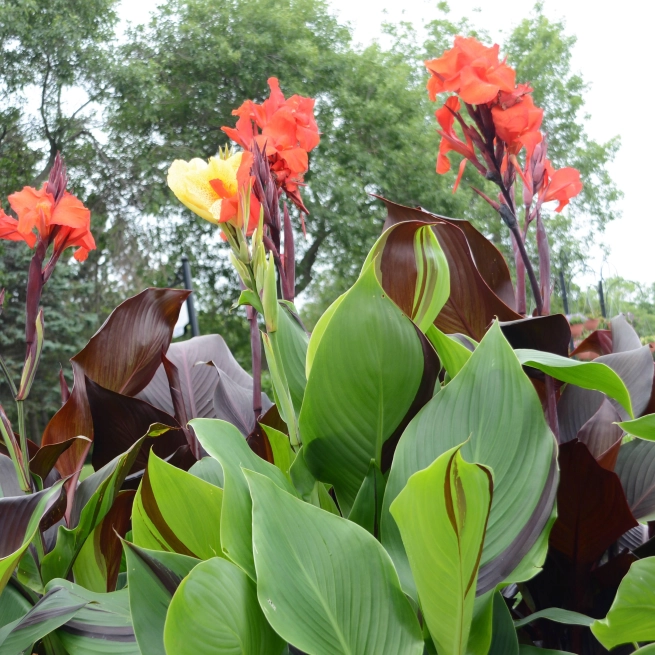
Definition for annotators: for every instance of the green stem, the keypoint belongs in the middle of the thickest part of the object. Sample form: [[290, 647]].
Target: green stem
[[23, 438], [11, 449]]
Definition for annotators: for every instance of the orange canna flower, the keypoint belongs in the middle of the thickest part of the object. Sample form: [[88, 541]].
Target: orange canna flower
[[9, 230], [560, 185], [471, 70], [288, 132], [519, 124], [66, 221]]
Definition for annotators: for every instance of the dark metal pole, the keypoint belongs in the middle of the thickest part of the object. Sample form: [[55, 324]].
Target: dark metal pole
[[565, 298], [601, 298], [193, 318]]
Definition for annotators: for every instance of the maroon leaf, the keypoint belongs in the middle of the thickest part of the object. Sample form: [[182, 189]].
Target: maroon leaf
[[575, 407], [550, 334], [120, 421], [602, 436], [113, 528], [72, 420], [257, 439], [488, 259], [592, 508], [599, 342], [9, 485], [624, 337], [635, 467], [46, 457], [197, 382], [472, 304], [15, 515], [126, 351]]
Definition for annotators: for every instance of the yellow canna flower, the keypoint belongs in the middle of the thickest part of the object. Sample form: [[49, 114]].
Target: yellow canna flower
[[202, 186]]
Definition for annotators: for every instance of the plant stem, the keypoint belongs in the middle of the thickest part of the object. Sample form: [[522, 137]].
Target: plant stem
[[23, 438], [10, 382], [511, 222], [256, 351]]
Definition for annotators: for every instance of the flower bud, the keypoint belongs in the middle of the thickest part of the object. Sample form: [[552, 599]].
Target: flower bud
[[269, 298]]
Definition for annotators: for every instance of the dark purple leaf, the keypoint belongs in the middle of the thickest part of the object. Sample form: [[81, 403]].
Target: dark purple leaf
[[599, 342], [592, 508], [113, 528], [575, 407], [547, 333], [46, 457], [635, 467], [624, 337], [602, 436], [72, 420], [197, 381], [9, 485], [120, 421], [126, 351]]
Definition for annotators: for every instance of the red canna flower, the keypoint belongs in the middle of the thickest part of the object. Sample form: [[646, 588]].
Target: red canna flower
[[9, 230], [471, 70], [66, 220], [519, 124], [285, 130], [560, 185]]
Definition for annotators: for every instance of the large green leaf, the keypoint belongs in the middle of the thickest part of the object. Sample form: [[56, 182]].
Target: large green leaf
[[643, 427], [292, 345], [54, 609], [179, 510], [588, 375], [493, 407], [504, 640], [367, 507], [366, 373], [153, 576], [632, 616], [526, 649], [215, 612], [451, 352], [325, 584], [442, 514], [102, 627], [94, 498], [97, 564], [224, 442], [558, 615], [19, 520]]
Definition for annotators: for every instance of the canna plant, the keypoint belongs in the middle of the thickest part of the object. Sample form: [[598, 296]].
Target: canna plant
[[435, 473]]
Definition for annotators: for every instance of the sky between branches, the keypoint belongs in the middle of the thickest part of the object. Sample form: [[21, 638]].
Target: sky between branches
[[612, 43]]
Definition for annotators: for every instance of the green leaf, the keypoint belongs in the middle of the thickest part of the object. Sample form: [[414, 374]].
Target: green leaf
[[493, 407], [442, 514], [412, 268], [19, 520], [369, 353], [319, 331], [632, 616], [481, 625], [646, 650], [224, 442], [13, 605], [209, 470], [558, 615], [249, 297], [102, 627], [588, 375], [292, 343], [93, 500], [367, 507], [184, 510], [215, 611], [153, 576], [283, 455], [97, 564], [504, 640], [643, 427], [452, 353], [325, 584], [54, 609]]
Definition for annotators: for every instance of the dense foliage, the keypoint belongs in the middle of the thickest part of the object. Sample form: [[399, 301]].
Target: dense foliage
[[435, 471]]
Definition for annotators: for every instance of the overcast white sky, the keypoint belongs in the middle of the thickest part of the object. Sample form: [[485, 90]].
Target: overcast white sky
[[613, 53]]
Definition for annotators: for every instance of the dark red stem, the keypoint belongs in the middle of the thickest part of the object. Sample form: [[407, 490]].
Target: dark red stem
[[256, 350]]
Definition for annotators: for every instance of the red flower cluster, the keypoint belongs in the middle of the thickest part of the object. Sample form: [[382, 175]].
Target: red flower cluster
[[288, 132], [505, 117], [64, 221]]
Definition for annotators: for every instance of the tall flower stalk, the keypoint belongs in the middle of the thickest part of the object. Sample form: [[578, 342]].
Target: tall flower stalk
[[49, 220], [500, 122]]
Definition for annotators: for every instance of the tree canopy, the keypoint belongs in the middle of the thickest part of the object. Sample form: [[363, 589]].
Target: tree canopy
[[122, 109]]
